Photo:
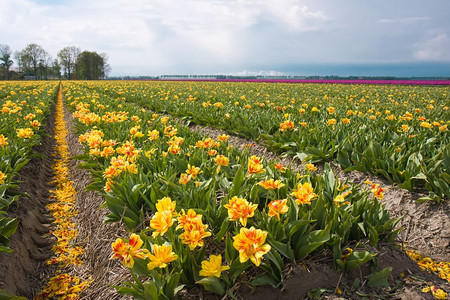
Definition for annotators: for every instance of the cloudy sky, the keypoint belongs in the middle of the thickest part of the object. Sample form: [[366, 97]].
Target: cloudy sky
[[304, 37]]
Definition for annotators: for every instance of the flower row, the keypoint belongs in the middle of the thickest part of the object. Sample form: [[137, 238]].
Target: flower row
[[185, 197], [398, 132], [24, 109]]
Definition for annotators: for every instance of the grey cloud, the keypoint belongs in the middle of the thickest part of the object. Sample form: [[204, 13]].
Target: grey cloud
[[229, 36], [434, 49]]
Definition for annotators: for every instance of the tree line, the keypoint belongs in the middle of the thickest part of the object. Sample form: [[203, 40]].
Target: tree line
[[33, 62]]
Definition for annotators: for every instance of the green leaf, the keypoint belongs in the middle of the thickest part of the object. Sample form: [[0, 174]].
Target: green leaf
[[407, 184], [254, 194], [379, 279], [5, 295], [6, 249], [302, 156], [140, 267], [237, 268], [230, 251], [150, 291], [358, 258], [223, 230], [298, 225], [8, 226], [317, 293], [212, 284], [385, 174], [284, 249], [424, 199], [313, 151], [266, 279], [361, 227], [329, 178], [311, 241], [111, 218], [343, 159], [373, 235], [237, 182], [275, 261], [124, 290], [171, 287], [419, 176], [130, 223]]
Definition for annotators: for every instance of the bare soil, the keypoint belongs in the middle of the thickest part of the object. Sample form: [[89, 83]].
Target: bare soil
[[426, 226], [24, 271], [94, 235]]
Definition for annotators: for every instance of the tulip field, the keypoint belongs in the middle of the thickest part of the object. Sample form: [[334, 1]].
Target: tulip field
[[25, 107], [398, 132], [200, 215]]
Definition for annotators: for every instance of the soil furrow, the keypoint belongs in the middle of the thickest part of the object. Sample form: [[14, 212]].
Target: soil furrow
[[94, 236], [24, 271]]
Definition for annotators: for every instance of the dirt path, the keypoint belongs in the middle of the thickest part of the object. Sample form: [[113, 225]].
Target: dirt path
[[426, 226], [24, 271], [95, 236]]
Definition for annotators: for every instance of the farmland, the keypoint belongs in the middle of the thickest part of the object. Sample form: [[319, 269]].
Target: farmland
[[188, 213], [400, 133]]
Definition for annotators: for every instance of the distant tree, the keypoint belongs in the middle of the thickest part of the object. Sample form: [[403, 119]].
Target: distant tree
[[68, 58], [90, 66], [106, 66], [33, 57], [34, 60], [41, 69], [5, 58], [45, 67], [19, 60], [56, 68]]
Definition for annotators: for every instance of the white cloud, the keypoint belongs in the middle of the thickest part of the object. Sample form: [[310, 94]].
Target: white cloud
[[404, 20], [15, 13], [203, 14], [217, 28], [236, 14], [163, 32], [217, 36], [296, 16], [434, 49]]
